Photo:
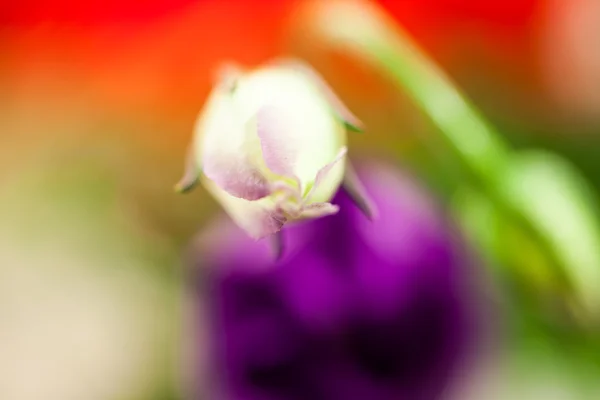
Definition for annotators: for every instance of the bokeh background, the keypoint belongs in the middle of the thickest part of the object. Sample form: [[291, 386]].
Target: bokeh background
[[97, 105]]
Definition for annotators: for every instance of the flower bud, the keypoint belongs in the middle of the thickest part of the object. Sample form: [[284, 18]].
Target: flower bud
[[271, 146]]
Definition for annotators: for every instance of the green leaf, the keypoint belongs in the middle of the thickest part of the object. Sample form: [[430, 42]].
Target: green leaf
[[539, 204], [559, 203]]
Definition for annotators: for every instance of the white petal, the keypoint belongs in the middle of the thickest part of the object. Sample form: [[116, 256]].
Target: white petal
[[326, 181], [334, 101], [259, 218], [312, 131], [229, 154]]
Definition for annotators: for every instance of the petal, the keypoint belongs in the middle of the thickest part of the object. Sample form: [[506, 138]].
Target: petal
[[323, 173], [317, 210], [351, 121], [237, 177], [302, 133], [278, 146], [258, 218], [228, 151], [266, 223]]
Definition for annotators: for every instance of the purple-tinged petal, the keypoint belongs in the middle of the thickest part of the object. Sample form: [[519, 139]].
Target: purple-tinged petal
[[259, 218], [297, 131], [269, 222], [227, 149], [277, 144], [237, 177]]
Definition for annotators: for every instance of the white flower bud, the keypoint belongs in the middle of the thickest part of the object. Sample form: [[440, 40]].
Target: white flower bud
[[270, 146]]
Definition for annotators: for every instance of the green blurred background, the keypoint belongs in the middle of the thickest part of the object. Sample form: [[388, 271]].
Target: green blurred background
[[97, 105]]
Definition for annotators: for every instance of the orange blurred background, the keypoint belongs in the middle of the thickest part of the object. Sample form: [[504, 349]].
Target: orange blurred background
[[136, 73]]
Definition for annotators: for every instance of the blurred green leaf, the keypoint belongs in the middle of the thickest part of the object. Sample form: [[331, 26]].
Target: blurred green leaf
[[551, 194], [530, 212]]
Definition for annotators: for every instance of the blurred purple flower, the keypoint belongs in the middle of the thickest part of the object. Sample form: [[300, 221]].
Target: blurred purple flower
[[354, 310]]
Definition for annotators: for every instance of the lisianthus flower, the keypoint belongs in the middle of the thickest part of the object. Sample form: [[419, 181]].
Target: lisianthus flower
[[355, 309], [270, 146]]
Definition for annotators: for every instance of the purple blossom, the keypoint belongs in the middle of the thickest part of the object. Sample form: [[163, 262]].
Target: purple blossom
[[354, 310]]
